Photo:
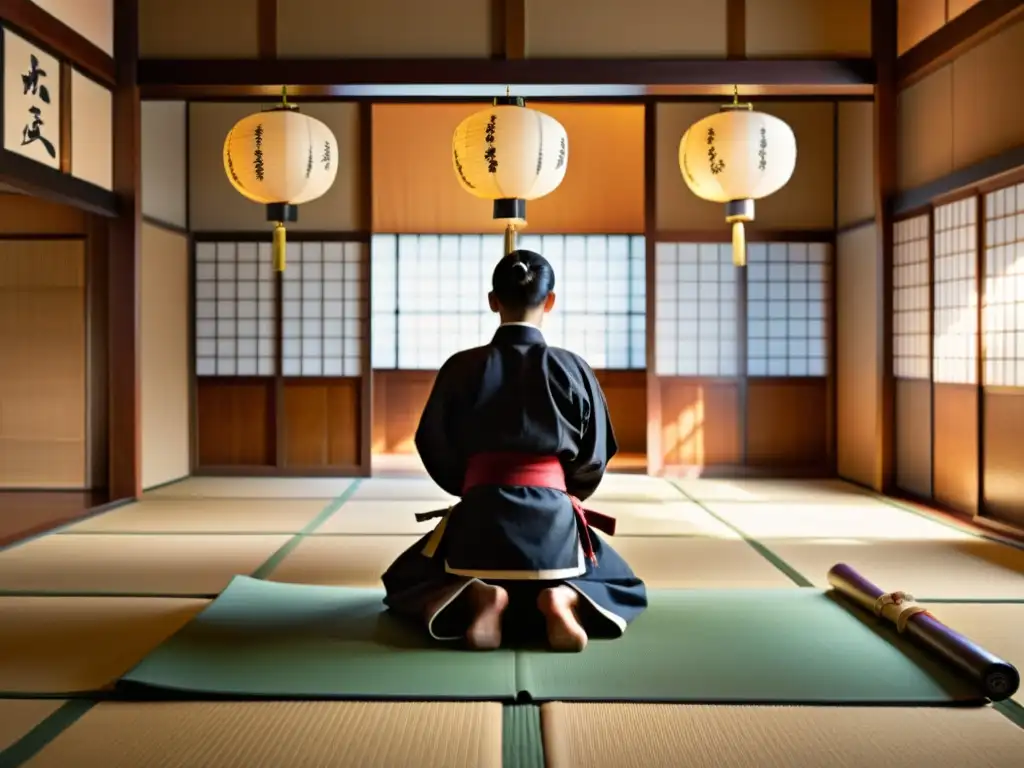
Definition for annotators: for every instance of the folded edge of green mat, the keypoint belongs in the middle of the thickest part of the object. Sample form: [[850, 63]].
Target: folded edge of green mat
[[263, 639]]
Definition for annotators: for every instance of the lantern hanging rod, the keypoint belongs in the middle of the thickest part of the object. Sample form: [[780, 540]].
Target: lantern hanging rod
[[736, 104]]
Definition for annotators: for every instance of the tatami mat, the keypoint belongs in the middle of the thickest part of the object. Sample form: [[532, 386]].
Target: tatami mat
[[835, 491], [401, 489], [19, 716], [381, 516], [278, 734], [818, 520], [999, 629], [164, 564], [679, 563], [65, 645], [971, 569], [253, 488], [206, 516], [623, 487], [667, 736], [350, 561]]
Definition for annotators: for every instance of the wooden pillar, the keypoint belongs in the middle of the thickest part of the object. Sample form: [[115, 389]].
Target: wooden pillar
[[884, 52], [655, 451], [125, 435]]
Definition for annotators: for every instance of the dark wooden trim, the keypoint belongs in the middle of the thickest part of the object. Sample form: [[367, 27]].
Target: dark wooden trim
[[97, 303], [979, 349], [267, 470], [854, 225], [29, 20], [193, 378], [966, 180], [931, 349], [644, 95], [810, 381], [742, 360], [365, 359], [266, 28], [294, 236], [984, 526], [753, 236], [125, 440], [277, 412], [514, 29], [336, 73], [747, 472], [831, 311], [884, 48], [736, 29], [65, 117], [39, 180], [44, 236], [155, 222], [655, 455], [975, 25]]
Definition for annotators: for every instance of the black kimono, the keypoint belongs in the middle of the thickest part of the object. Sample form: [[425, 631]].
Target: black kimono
[[516, 395]]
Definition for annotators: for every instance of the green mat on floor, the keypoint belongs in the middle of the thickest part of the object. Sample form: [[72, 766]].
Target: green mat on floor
[[264, 639]]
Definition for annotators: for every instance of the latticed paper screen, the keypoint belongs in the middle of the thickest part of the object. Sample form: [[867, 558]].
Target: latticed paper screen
[[955, 292], [787, 300], [430, 297], [235, 312], [1003, 312], [697, 327], [323, 306], [911, 298]]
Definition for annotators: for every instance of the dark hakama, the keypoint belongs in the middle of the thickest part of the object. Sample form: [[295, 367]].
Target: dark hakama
[[515, 395]]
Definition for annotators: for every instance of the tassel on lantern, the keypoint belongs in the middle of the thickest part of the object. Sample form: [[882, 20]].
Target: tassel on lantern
[[279, 247], [739, 244], [510, 238]]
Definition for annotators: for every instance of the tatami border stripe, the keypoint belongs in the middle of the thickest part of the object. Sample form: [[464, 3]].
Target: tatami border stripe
[[522, 745], [33, 742], [289, 546], [791, 573], [1011, 710]]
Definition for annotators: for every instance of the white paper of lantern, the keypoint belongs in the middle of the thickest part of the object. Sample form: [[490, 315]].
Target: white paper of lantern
[[509, 154], [736, 157], [281, 158]]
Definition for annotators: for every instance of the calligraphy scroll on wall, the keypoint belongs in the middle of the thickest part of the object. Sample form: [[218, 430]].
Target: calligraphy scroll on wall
[[31, 101]]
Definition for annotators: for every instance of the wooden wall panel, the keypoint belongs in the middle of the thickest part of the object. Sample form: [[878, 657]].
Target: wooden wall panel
[[858, 294], [164, 168], [787, 423], [855, 187], [235, 422], [924, 115], [956, 7], [415, 189], [1004, 457], [811, 28], [917, 20], [610, 28], [165, 370], [214, 205], [914, 436], [395, 28], [198, 29], [806, 202], [26, 215], [320, 426], [626, 393], [699, 422], [92, 19], [92, 131], [955, 474], [987, 93], [43, 373], [398, 400]]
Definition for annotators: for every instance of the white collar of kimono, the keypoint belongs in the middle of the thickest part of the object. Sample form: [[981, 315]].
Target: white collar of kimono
[[528, 325]]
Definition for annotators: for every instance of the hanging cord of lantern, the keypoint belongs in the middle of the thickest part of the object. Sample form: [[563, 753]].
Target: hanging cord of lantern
[[511, 209], [281, 212], [736, 103]]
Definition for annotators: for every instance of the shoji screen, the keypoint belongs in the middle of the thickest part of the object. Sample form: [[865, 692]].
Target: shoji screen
[[955, 293], [1003, 312], [911, 299]]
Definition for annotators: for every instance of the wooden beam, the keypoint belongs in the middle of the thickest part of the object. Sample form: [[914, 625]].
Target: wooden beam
[[65, 117], [655, 452], [736, 29], [884, 50], [365, 353], [193, 77], [38, 180], [33, 22], [982, 174], [515, 29], [124, 256], [975, 25], [266, 26]]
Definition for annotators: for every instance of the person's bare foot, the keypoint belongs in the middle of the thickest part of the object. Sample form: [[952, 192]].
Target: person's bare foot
[[558, 604], [487, 603]]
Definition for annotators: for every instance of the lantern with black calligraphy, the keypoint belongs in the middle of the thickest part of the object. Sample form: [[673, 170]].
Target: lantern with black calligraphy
[[736, 157], [281, 158], [509, 154]]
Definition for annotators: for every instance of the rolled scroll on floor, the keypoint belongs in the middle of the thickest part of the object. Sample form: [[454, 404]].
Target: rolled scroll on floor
[[996, 679]]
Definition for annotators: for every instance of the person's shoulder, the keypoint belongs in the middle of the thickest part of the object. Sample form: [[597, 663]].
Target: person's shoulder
[[464, 357], [569, 359]]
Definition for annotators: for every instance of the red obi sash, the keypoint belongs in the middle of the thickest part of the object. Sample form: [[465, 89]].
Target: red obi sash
[[527, 470]]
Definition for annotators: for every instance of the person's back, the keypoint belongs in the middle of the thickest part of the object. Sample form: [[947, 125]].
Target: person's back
[[521, 432]]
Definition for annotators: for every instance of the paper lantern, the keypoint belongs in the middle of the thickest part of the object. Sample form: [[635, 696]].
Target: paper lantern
[[736, 157], [509, 153], [281, 158]]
